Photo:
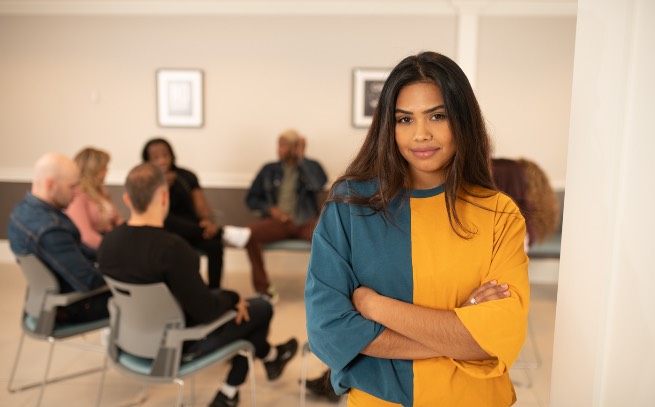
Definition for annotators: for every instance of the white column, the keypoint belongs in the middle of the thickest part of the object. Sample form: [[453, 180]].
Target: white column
[[604, 346], [467, 42]]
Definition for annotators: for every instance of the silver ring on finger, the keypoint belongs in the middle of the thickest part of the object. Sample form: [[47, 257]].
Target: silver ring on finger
[[473, 301]]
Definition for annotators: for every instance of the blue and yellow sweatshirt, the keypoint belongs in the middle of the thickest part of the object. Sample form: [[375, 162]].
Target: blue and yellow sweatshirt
[[418, 259]]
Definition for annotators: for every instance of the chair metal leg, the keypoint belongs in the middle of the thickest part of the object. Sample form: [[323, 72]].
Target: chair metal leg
[[102, 380], [44, 381], [58, 379], [51, 345], [41, 384], [180, 392], [13, 369], [143, 397]]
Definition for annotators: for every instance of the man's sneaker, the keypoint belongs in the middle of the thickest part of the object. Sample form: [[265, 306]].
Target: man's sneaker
[[236, 236], [322, 387], [271, 295], [221, 400], [285, 353]]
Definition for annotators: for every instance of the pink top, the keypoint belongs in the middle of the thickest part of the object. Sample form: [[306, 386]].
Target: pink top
[[88, 217]]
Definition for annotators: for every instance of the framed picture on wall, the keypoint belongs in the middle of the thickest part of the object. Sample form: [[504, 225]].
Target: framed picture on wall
[[367, 85], [179, 98]]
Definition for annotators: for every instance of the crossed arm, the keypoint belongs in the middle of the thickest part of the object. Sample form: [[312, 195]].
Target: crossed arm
[[416, 332]]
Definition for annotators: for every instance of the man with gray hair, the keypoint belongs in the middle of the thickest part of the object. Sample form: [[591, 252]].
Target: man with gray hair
[[38, 226]]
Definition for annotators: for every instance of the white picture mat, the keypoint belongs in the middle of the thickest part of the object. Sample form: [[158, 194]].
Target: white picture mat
[[179, 98]]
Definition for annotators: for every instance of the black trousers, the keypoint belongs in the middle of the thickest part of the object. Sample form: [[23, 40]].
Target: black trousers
[[254, 331], [213, 249], [87, 310]]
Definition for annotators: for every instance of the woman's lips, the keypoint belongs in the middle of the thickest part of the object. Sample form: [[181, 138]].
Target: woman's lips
[[424, 152]]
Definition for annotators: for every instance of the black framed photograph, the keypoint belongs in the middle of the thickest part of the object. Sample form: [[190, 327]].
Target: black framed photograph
[[367, 86], [179, 98]]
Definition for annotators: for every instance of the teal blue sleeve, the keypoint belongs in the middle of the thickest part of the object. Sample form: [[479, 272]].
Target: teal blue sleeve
[[337, 331]]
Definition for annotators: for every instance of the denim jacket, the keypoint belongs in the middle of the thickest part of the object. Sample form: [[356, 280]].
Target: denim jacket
[[37, 228], [263, 193]]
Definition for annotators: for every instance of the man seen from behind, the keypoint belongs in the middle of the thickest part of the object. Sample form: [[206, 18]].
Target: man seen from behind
[[143, 252]]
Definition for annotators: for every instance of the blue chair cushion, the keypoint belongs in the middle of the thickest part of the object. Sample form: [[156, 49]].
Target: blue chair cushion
[[143, 366], [295, 245], [66, 330], [548, 249]]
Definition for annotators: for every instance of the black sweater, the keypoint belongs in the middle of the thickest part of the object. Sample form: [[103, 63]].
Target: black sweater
[[146, 255]]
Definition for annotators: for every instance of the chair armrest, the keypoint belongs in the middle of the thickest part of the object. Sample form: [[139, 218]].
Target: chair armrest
[[176, 336], [293, 245], [59, 300]]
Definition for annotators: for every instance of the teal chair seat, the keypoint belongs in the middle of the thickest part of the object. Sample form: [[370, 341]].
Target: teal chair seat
[[144, 366], [296, 245], [548, 249], [66, 330]]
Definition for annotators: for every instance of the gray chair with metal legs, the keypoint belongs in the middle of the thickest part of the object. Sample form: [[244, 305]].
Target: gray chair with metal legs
[[147, 334], [39, 319]]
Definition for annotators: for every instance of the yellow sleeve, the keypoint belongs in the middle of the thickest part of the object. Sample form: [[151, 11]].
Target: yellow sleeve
[[500, 326]]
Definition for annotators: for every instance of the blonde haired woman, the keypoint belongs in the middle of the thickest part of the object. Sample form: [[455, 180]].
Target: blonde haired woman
[[92, 210]]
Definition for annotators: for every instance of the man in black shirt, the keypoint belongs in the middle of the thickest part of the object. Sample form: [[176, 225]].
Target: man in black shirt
[[142, 252]]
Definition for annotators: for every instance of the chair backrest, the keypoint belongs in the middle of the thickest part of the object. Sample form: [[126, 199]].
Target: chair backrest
[[41, 282], [140, 316]]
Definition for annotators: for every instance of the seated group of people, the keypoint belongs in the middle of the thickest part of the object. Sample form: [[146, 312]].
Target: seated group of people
[[68, 221]]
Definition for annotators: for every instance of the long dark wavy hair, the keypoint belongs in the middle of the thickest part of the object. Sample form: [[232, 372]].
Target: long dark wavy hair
[[379, 158], [158, 140]]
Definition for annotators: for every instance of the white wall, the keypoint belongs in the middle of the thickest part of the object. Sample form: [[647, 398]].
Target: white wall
[[262, 75], [77, 80], [524, 85], [605, 325]]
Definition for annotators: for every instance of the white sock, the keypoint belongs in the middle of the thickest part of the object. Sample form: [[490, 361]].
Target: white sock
[[229, 391], [272, 354]]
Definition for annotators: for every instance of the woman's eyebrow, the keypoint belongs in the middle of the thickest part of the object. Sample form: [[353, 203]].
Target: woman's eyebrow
[[433, 109], [430, 110]]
